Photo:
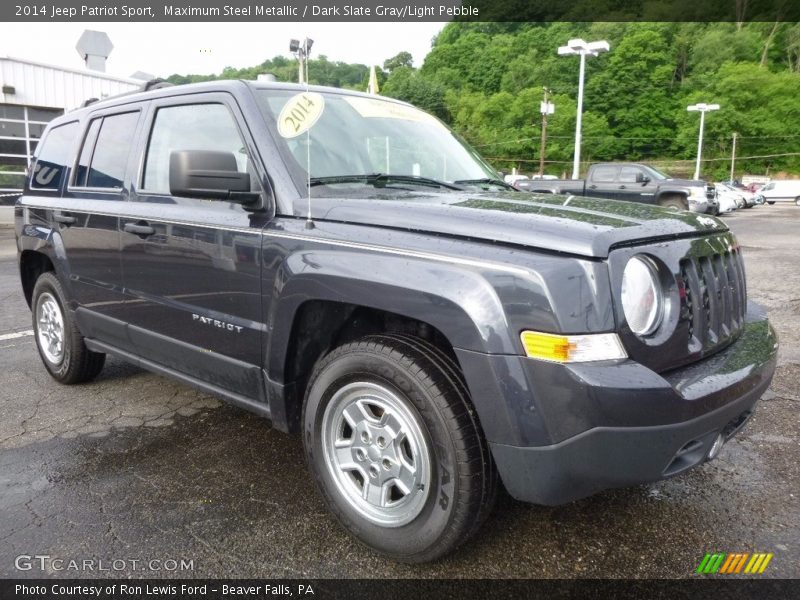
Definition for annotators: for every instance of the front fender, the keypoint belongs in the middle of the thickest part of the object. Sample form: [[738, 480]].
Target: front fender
[[456, 300]]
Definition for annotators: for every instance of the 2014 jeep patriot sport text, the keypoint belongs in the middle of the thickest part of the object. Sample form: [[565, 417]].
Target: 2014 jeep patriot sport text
[[428, 331]]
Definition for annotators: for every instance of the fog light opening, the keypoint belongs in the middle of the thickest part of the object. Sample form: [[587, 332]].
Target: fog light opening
[[716, 446]]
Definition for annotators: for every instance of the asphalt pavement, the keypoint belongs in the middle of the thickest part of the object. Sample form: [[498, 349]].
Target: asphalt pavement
[[168, 481]]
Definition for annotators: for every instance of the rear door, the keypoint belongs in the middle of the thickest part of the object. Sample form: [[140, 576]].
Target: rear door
[[97, 193], [191, 266], [602, 182]]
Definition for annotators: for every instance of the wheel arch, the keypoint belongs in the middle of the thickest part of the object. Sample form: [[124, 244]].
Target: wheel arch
[[32, 264], [344, 300]]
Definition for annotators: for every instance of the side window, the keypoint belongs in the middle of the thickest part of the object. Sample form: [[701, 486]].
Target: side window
[[628, 174], [189, 127], [53, 157], [82, 169], [604, 174], [104, 156]]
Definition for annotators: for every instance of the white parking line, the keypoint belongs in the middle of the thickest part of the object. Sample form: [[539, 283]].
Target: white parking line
[[15, 335]]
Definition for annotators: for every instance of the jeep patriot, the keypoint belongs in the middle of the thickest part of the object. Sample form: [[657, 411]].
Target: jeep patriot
[[347, 267]]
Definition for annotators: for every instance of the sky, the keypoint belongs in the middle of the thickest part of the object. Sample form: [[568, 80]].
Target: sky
[[203, 48]]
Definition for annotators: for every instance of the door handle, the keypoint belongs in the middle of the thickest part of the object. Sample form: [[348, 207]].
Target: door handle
[[140, 228], [622, 187], [64, 218], [592, 187]]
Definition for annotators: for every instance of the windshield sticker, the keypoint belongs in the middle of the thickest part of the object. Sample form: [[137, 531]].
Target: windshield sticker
[[300, 113], [370, 108]]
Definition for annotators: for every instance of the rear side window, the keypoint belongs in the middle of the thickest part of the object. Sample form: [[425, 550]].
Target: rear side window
[[604, 174], [53, 157], [189, 127], [104, 156]]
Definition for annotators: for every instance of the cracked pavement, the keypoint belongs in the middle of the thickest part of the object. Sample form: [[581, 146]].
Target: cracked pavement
[[137, 467]]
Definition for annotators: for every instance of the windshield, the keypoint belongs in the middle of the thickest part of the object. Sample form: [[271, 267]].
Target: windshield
[[357, 135], [656, 174]]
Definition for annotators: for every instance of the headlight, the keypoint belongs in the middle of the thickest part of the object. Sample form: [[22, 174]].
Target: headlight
[[697, 193], [642, 296]]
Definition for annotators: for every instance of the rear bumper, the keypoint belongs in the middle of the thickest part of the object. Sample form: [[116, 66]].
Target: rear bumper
[[618, 424]]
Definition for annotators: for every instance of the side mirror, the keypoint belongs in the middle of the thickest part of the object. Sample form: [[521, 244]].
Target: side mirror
[[208, 174], [642, 178]]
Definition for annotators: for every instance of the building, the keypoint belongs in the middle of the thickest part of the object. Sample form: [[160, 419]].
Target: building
[[33, 93]]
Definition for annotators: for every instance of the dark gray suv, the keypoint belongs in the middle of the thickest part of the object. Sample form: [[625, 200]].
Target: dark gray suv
[[347, 267]]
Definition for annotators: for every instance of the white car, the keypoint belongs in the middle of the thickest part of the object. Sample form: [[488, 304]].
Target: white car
[[512, 179], [728, 200], [785, 190]]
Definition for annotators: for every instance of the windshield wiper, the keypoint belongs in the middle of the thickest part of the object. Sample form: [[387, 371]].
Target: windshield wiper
[[487, 181], [377, 179]]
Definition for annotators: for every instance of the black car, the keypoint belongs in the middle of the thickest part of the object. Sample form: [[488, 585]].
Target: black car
[[345, 266]]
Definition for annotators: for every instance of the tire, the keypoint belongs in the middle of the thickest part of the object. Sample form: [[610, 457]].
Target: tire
[[770, 202], [436, 479], [797, 201], [673, 202], [58, 339]]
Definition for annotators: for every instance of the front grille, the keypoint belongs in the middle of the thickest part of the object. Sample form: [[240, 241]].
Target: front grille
[[715, 299]]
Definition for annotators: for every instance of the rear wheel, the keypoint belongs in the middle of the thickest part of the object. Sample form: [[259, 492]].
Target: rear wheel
[[58, 339], [770, 202], [797, 201], [395, 449], [674, 202]]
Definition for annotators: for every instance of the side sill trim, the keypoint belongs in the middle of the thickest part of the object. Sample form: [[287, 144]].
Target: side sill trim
[[232, 398]]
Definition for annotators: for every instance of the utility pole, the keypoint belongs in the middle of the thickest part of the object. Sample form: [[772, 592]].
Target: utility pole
[[547, 108], [733, 157]]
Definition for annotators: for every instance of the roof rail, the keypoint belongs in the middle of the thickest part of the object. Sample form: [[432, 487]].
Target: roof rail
[[155, 84]]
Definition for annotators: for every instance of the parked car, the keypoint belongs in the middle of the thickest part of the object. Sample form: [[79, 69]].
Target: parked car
[[728, 200], [329, 260], [514, 179], [635, 182], [744, 199], [784, 190]]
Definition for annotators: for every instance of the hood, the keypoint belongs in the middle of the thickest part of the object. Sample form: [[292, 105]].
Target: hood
[[684, 182], [566, 224]]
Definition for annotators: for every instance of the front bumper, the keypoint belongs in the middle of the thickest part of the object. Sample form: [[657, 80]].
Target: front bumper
[[618, 423], [699, 206]]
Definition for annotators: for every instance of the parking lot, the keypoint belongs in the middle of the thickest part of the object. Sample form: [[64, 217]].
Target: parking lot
[[137, 468]]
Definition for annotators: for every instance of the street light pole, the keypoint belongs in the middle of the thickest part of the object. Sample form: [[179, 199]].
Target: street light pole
[[733, 157], [584, 49], [702, 108], [302, 51], [547, 108]]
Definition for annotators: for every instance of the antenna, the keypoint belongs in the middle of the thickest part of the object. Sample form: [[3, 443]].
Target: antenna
[[306, 48]]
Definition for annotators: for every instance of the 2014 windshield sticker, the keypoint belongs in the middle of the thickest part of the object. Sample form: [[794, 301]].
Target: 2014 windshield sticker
[[300, 113]]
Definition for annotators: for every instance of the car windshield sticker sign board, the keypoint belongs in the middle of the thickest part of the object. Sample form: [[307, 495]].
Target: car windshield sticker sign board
[[300, 113]]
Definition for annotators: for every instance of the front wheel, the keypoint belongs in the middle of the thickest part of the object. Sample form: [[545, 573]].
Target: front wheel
[[395, 449], [58, 339], [797, 201], [674, 202]]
